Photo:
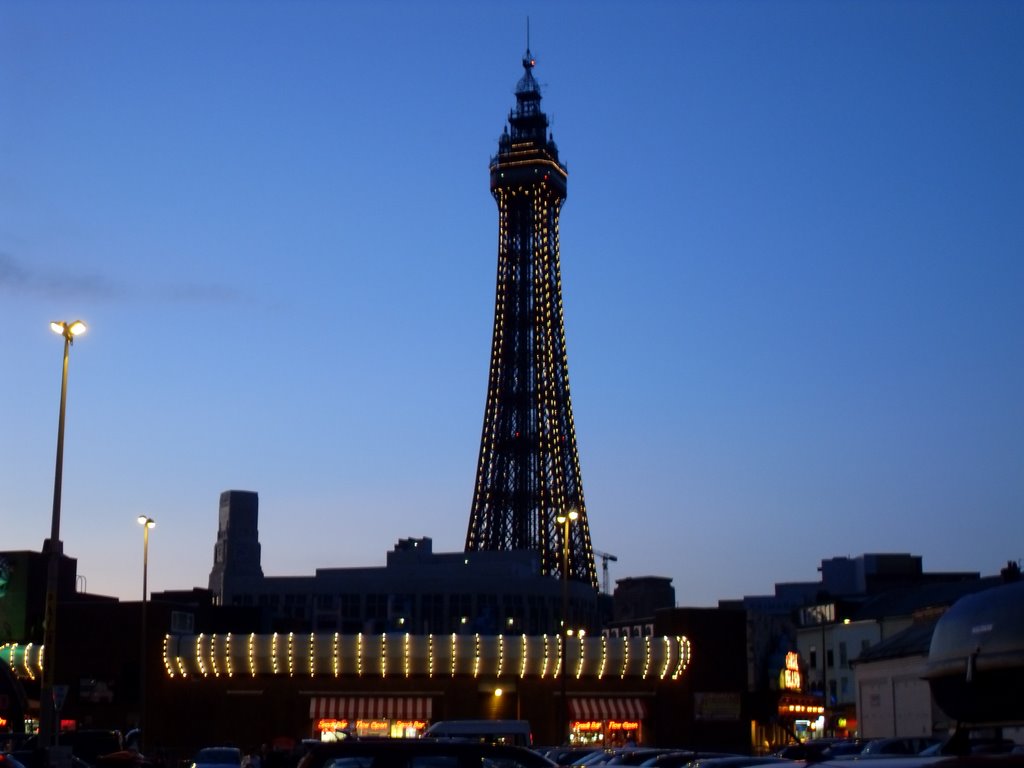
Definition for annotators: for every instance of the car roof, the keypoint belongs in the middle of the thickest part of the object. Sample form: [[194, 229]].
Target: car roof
[[392, 749]]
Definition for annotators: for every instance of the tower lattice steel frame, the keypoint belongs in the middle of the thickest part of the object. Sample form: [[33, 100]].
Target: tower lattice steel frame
[[528, 472]]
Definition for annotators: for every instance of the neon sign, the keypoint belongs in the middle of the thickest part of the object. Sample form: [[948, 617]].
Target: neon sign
[[623, 725], [789, 678], [596, 726]]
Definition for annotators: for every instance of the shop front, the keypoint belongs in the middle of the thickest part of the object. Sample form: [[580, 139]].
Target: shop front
[[606, 721], [334, 717], [803, 714]]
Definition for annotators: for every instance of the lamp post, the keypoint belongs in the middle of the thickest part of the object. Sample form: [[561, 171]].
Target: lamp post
[[48, 723], [146, 523], [565, 520]]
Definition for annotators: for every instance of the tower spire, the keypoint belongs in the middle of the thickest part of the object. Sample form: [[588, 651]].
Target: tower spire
[[528, 473]]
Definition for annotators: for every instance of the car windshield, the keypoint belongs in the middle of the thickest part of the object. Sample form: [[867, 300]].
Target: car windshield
[[219, 756]]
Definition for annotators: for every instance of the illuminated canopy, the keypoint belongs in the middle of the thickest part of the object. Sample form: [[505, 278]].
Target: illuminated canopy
[[395, 654]]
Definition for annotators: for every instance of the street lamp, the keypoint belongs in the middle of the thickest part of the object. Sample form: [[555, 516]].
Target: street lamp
[[146, 523], [48, 724], [565, 521]]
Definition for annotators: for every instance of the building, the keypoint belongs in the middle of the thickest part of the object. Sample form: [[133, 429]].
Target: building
[[835, 632], [417, 591], [893, 698]]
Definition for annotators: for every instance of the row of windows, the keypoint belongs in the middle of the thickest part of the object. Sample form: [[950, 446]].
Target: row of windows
[[434, 612], [830, 662]]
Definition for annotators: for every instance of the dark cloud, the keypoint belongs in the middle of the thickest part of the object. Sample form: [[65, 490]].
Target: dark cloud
[[12, 275], [16, 277]]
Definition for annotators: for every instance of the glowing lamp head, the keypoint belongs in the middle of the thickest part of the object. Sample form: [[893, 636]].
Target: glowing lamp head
[[149, 522], [571, 517], [68, 330]]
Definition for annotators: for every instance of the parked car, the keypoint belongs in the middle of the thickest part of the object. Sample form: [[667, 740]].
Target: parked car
[[813, 750], [515, 732], [634, 755], [88, 746], [217, 757], [567, 755], [844, 748], [908, 745], [736, 761], [420, 753], [678, 758]]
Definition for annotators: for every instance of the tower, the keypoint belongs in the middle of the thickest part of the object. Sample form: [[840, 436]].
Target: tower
[[528, 472], [236, 556]]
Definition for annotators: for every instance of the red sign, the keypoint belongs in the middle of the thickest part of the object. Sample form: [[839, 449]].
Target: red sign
[[623, 725], [329, 725]]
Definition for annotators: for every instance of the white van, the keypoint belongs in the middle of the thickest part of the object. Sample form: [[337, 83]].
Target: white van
[[515, 732]]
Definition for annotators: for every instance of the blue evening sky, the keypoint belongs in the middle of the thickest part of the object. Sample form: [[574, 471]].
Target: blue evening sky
[[792, 254]]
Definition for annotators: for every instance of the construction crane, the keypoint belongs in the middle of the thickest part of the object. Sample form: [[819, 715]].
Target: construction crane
[[605, 559]]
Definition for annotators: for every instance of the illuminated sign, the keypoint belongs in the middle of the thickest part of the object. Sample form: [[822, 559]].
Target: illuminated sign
[[623, 725], [333, 725], [596, 726], [789, 679], [329, 724]]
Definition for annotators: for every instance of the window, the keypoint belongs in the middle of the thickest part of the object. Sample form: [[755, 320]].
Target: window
[[325, 602], [830, 659], [813, 664], [844, 661]]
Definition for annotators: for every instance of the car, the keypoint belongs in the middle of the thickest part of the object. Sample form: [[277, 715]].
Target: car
[[88, 746], [515, 732], [7, 760], [634, 755], [843, 748], [568, 755], [736, 761], [814, 750], [420, 753], [678, 758], [907, 745], [217, 757]]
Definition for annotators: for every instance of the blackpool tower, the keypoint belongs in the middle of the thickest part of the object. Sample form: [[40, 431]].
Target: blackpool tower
[[528, 493]]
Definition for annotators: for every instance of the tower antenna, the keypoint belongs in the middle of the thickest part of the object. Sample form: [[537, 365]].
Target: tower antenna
[[527, 33]]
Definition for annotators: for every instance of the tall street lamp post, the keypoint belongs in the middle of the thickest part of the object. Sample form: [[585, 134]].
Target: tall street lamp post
[[146, 523], [565, 520], [48, 704]]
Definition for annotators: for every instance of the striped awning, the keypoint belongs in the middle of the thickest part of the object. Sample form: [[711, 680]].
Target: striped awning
[[370, 707], [606, 708]]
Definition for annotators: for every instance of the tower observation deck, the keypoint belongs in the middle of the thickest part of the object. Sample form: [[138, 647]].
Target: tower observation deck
[[528, 472]]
